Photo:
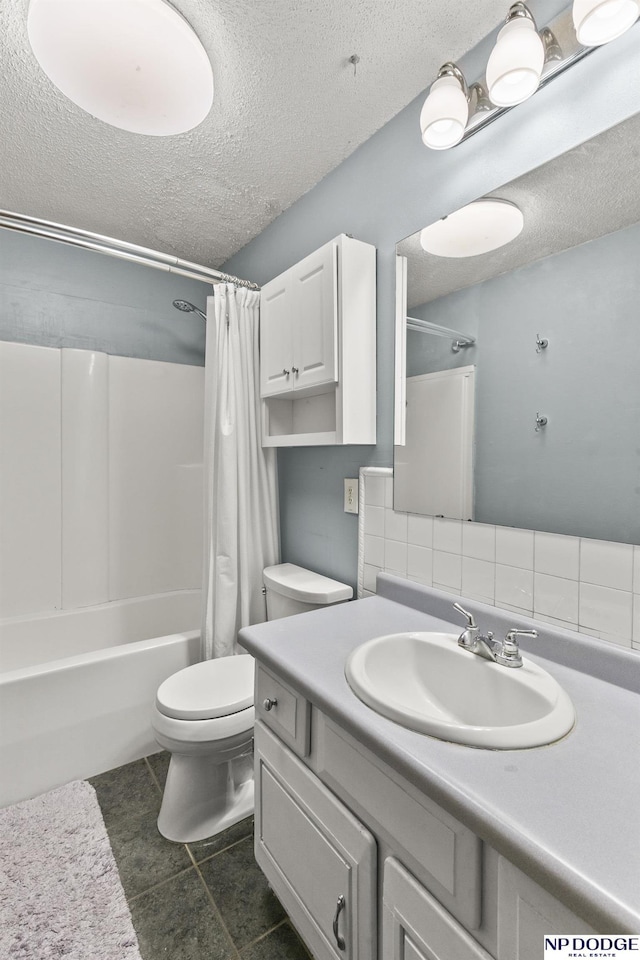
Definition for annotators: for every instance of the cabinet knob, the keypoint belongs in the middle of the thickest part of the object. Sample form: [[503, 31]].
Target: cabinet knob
[[339, 908], [295, 370], [269, 703], [286, 372]]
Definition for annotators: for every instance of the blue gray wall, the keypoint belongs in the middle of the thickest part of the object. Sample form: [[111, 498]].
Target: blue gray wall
[[389, 188], [55, 295], [580, 475]]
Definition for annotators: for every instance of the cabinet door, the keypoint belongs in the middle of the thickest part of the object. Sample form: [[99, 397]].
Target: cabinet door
[[320, 860], [527, 913], [276, 345], [416, 927], [315, 318]]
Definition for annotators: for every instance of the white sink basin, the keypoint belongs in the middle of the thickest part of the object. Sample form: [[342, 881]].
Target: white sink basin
[[426, 682]]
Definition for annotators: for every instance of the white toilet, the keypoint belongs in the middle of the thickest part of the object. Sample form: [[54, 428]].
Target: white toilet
[[204, 716]]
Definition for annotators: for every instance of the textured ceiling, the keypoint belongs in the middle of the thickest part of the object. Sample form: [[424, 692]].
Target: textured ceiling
[[583, 194], [287, 110]]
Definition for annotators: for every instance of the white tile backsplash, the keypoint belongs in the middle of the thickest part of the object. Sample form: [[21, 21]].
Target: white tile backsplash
[[375, 490], [374, 550], [420, 563], [606, 564], [555, 597], [478, 579], [395, 525], [604, 609], [557, 556], [370, 574], [447, 570], [374, 521], [420, 531], [514, 587], [479, 541], [590, 585], [447, 535], [621, 641], [395, 557], [388, 492], [514, 547]]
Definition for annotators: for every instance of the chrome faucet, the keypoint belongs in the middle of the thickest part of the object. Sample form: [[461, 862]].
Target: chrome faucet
[[505, 652]]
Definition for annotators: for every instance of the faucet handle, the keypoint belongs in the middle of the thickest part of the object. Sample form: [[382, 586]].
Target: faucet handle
[[465, 613], [509, 655]]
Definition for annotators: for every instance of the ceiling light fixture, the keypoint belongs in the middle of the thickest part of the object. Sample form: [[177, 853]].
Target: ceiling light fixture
[[599, 21], [137, 65], [523, 59], [480, 227], [515, 65]]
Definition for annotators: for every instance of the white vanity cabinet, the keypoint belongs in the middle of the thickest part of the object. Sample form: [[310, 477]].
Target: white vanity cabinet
[[319, 859], [334, 820], [317, 348], [416, 927], [527, 913]]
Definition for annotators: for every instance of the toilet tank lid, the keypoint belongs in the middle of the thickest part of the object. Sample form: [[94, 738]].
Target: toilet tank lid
[[296, 583], [213, 688]]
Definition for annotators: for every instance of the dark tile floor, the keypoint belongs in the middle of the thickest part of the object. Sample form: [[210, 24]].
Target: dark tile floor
[[197, 901]]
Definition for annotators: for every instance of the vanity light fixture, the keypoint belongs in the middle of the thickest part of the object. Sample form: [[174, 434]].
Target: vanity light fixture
[[446, 110], [523, 59], [137, 65], [599, 21], [515, 65], [480, 227]]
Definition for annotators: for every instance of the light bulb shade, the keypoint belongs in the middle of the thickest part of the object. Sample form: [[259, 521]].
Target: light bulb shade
[[480, 227], [599, 21], [515, 65], [444, 115], [135, 64]]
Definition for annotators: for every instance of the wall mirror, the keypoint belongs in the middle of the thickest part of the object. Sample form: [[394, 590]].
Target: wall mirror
[[518, 370]]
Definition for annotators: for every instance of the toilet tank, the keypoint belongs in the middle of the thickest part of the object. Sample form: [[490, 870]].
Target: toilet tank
[[291, 589]]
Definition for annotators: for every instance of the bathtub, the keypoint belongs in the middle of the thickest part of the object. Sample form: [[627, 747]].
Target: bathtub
[[77, 687]]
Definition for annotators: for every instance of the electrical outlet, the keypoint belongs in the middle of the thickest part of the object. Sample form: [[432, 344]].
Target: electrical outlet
[[350, 496]]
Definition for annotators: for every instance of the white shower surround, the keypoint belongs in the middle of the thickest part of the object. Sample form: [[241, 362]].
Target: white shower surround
[[100, 556]]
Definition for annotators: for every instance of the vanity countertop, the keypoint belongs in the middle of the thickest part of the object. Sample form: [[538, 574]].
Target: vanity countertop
[[567, 814]]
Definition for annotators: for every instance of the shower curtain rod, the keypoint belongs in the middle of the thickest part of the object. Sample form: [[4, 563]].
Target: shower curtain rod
[[74, 236], [426, 326]]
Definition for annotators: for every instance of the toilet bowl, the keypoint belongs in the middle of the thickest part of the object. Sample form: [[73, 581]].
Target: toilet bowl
[[204, 717]]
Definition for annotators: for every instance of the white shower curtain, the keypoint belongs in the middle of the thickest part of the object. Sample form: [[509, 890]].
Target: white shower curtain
[[241, 506]]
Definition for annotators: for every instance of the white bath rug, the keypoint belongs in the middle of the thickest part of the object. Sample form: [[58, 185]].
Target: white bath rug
[[60, 892]]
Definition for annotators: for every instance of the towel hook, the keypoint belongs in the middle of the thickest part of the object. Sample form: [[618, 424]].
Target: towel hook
[[540, 422]]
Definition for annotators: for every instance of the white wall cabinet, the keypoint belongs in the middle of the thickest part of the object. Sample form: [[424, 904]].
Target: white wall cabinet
[[299, 325], [317, 348]]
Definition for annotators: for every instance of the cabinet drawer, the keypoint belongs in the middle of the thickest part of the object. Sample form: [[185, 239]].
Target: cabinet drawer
[[416, 927], [441, 851], [284, 711], [314, 853], [526, 913]]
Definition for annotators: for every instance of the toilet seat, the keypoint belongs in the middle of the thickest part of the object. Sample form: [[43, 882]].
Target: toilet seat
[[202, 731], [210, 690]]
